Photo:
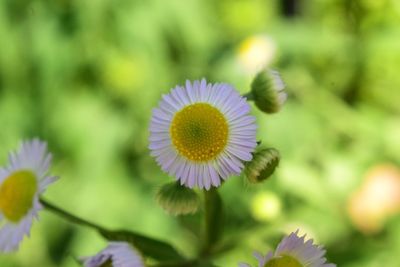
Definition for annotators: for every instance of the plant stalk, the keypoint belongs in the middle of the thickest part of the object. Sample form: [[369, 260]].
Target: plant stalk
[[213, 215], [70, 217]]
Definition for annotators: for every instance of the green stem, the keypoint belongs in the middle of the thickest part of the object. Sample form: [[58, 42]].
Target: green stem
[[249, 96], [70, 217], [213, 215], [150, 247]]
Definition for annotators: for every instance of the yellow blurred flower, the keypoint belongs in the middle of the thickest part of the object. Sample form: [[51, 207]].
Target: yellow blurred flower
[[266, 206], [255, 53], [377, 199], [123, 73]]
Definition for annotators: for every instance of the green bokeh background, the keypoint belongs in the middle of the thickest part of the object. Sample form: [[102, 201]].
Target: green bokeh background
[[84, 75]]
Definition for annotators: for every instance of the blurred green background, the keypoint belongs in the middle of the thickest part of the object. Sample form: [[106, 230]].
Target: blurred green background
[[85, 74]]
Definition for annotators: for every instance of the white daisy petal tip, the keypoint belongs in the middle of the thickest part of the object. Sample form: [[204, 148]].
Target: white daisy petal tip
[[202, 133], [294, 251], [27, 174], [116, 254]]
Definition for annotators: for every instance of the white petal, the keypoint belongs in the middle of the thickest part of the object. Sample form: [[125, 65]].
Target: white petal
[[120, 253], [241, 142], [11, 234]]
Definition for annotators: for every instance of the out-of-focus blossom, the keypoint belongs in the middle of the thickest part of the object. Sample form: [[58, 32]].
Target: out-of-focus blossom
[[255, 53], [116, 254], [266, 206], [21, 184], [377, 199]]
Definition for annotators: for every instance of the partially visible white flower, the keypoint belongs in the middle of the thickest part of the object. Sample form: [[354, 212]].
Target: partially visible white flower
[[21, 184], [293, 251], [116, 254]]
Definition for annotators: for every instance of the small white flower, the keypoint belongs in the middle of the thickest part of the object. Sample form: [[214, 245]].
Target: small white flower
[[293, 251], [116, 254], [21, 183], [202, 133]]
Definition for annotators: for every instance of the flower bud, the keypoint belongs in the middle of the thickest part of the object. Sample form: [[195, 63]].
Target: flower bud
[[267, 91], [263, 165], [177, 199]]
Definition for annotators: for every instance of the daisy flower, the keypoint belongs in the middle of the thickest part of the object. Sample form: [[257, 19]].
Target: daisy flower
[[116, 254], [293, 251], [202, 133], [21, 183]]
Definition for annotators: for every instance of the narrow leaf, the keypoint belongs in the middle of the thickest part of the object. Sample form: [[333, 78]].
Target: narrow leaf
[[150, 247]]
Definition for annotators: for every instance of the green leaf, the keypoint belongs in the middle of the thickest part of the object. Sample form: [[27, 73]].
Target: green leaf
[[150, 247]]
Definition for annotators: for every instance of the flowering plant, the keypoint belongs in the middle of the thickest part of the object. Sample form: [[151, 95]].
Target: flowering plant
[[201, 134]]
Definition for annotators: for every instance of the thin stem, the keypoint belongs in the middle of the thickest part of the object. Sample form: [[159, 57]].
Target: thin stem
[[207, 220], [70, 217], [213, 215], [150, 247], [249, 96]]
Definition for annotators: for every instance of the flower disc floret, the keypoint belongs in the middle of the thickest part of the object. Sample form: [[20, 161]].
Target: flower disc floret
[[199, 132], [16, 194], [283, 261]]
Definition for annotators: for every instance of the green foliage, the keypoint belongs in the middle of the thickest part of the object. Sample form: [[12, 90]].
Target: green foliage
[[214, 219], [84, 75], [149, 247]]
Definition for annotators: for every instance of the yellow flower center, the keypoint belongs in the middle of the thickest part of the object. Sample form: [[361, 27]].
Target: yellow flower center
[[199, 132], [16, 194], [283, 261]]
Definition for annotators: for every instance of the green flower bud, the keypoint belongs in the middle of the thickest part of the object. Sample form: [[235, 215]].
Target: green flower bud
[[263, 165], [177, 199], [267, 91]]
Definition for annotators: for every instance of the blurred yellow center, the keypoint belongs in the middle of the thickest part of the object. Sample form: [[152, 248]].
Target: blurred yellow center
[[16, 195], [199, 132], [283, 261]]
